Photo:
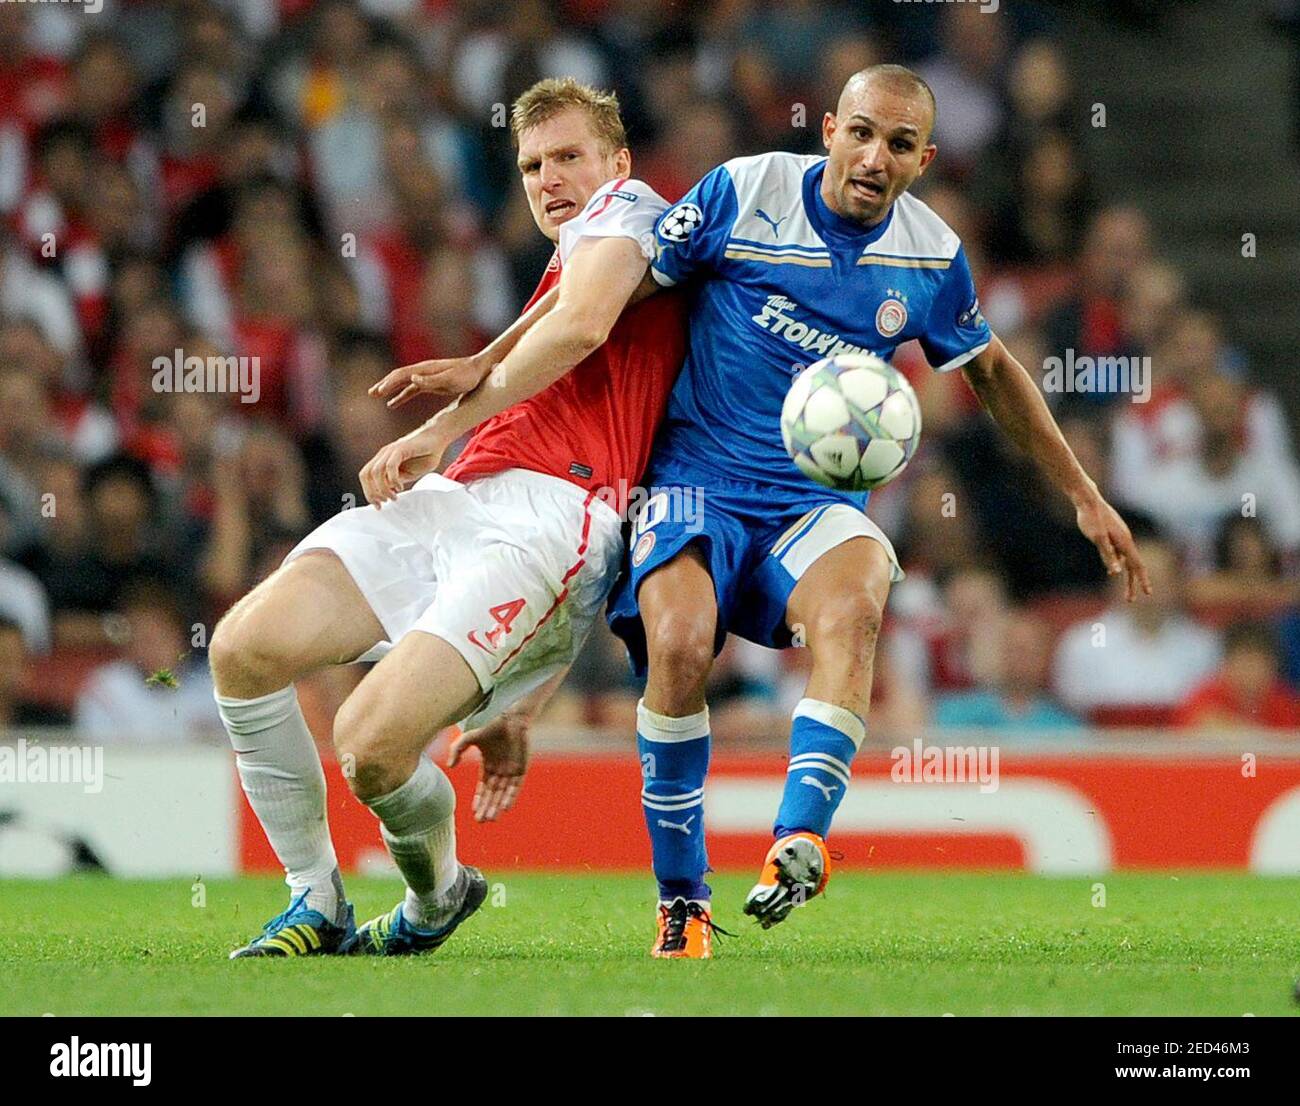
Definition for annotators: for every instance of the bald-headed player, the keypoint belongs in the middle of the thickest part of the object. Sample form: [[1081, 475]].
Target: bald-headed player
[[791, 259]]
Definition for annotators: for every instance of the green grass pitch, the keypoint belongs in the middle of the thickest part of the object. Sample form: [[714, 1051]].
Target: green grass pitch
[[892, 944]]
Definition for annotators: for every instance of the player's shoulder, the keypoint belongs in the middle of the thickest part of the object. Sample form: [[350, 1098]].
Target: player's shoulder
[[625, 191], [623, 207], [917, 232], [767, 193], [775, 171]]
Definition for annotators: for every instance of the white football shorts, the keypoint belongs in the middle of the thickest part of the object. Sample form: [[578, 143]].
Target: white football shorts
[[511, 570]]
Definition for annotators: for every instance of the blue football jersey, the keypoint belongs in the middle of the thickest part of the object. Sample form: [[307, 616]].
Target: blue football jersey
[[780, 282]]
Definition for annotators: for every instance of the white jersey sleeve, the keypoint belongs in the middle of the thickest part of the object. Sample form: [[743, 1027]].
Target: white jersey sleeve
[[623, 208]]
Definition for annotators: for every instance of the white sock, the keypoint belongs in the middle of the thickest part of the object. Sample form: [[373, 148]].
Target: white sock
[[418, 824], [282, 776]]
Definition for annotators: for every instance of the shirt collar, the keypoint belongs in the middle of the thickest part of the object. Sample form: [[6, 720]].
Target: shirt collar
[[830, 225]]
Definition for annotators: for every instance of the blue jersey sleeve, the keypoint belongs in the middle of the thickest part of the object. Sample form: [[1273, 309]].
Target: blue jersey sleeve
[[955, 330], [691, 236]]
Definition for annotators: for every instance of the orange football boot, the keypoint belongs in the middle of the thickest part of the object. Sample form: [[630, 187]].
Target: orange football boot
[[797, 867], [685, 930]]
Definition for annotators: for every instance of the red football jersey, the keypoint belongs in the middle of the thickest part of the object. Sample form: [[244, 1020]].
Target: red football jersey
[[596, 424]]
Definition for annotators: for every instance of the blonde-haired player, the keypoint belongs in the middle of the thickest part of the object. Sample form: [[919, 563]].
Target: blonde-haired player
[[475, 588]]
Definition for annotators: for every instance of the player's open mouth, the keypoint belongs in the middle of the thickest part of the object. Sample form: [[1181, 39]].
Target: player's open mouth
[[870, 189], [560, 209]]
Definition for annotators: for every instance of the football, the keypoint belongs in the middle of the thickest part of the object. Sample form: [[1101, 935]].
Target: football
[[680, 221], [851, 422]]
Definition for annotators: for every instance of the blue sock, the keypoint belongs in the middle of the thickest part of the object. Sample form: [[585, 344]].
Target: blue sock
[[823, 739], [674, 756]]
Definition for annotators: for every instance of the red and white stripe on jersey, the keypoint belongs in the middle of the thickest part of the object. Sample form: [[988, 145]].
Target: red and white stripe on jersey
[[593, 211], [622, 208]]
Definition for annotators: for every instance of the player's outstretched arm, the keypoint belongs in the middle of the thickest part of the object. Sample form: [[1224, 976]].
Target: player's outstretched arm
[[596, 284], [453, 376], [1009, 394]]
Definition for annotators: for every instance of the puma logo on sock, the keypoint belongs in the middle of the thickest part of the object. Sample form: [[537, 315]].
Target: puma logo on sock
[[684, 827], [825, 789]]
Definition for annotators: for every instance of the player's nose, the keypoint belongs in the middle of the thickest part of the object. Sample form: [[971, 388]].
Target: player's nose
[[552, 178], [873, 157]]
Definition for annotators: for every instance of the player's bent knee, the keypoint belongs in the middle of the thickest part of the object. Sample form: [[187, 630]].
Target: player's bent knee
[[238, 657], [247, 657], [368, 775], [850, 621], [365, 764], [680, 647], [223, 652]]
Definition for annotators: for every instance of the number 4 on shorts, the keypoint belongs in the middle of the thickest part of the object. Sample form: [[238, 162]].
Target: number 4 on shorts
[[503, 617]]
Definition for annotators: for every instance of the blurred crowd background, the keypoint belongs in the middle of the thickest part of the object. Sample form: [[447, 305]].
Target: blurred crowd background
[[330, 187]]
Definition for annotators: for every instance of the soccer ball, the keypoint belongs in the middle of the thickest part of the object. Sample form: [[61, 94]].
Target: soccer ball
[[851, 422], [680, 221]]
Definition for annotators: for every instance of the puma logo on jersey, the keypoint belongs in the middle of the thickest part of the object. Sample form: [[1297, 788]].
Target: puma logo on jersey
[[775, 317], [682, 827], [775, 224], [825, 789]]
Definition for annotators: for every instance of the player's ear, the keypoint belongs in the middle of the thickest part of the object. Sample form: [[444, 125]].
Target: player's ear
[[829, 125], [927, 156], [623, 163]]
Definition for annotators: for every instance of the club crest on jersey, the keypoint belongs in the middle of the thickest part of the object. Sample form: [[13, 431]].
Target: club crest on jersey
[[644, 544], [680, 222], [891, 317]]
